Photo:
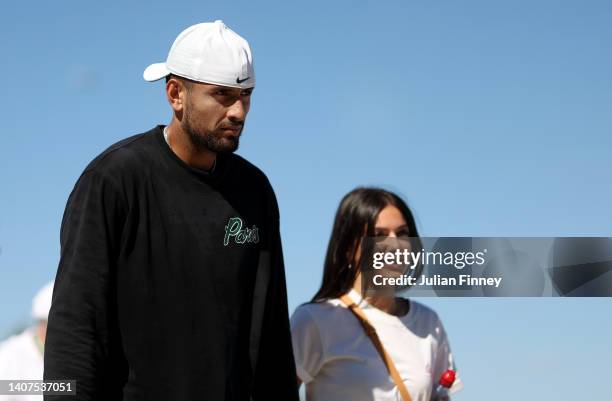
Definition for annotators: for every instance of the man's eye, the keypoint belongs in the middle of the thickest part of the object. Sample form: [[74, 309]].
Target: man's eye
[[246, 93], [221, 92]]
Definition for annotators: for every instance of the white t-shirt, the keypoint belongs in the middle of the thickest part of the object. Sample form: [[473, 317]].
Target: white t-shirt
[[21, 359], [337, 361]]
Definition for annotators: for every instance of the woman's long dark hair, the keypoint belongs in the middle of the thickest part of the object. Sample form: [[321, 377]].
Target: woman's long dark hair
[[356, 218]]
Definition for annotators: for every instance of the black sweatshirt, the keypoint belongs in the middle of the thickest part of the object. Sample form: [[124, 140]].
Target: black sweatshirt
[[171, 283]]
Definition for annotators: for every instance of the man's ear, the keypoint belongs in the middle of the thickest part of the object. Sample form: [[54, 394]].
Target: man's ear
[[176, 93]]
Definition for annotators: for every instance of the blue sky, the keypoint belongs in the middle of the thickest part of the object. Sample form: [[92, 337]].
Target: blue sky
[[491, 118]]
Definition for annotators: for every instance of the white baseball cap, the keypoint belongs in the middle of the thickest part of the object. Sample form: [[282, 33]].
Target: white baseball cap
[[41, 304], [208, 52]]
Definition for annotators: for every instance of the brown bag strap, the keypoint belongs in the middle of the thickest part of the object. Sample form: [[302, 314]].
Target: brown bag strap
[[371, 332]]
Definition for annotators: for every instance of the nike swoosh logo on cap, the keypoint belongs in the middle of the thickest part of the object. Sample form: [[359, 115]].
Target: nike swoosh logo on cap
[[239, 81]]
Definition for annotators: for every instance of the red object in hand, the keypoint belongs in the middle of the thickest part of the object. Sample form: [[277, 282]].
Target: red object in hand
[[447, 379]]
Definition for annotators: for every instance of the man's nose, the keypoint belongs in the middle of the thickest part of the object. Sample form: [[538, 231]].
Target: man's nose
[[237, 111]]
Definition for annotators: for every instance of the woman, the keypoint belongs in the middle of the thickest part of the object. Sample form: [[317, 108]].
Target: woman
[[334, 356]]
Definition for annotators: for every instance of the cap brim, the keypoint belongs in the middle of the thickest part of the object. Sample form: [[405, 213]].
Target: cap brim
[[155, 72]]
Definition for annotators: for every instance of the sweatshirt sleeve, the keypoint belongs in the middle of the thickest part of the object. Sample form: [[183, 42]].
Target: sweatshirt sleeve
[[275, 375], [82, 330]]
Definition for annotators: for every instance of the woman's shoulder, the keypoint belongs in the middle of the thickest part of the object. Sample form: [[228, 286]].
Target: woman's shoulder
[[318, 308], [320, 312]]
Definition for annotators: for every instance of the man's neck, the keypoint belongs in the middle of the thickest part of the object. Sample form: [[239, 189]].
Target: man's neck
[[181, 145]]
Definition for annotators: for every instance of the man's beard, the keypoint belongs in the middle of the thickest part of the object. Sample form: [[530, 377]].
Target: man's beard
[[202, 139]]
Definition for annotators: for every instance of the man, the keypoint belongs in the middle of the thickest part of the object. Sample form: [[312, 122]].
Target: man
[[21, 356], [171, 282]]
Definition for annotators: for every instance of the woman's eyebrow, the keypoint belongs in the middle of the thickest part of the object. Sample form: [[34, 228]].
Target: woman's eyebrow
[[402, 227]]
